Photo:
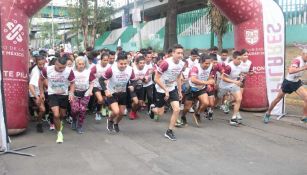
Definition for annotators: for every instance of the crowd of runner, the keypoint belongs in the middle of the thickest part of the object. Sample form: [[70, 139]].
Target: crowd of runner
[[65, 86]]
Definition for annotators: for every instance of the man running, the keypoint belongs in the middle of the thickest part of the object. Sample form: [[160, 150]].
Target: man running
[[34, 90], [292, 83], [168, 86], [118, 77], [59, 79]]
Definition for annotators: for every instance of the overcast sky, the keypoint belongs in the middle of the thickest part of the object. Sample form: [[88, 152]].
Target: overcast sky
[[64, 2]]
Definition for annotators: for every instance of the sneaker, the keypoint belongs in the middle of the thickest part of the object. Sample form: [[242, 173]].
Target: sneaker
[[80, 130], [125, 112], [103, 112], [226, 107], [156, 118], [266, 118], [74, 125], [178, 123], [132, 115], [39, 128], [239, 118], [210, 115], [59, 137], [197, 119], [170, 135], [51, 127], [116, 128], [191, 110], [97, 116], [150, 113], [304, 120], [233, 122], [69, 119], [110, 125]]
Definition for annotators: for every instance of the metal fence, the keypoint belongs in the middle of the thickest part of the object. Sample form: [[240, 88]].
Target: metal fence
[[295, 11]]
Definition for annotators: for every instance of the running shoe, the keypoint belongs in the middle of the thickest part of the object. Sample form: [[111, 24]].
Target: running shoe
[[132, 115], [51, 127], [233, 122], [170, 135], [150, 112], [39, 128], [156, 118], [196, 119], [80, 130], [304, 120], [97, 117], [125, 112], [178, 123], [60, 137], [103, 112], [266, 118], [116, 128], [239, 118], [110, 126], [226, 107], [191, 110]]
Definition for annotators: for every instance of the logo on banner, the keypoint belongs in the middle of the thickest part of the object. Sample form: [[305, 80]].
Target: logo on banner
[[252, 36], [14, 32]]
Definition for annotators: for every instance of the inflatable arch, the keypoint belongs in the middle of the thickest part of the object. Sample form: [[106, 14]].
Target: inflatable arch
[[247, 18], [15, 51]]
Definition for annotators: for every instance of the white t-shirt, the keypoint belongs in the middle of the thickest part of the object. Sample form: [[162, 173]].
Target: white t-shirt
[[117, 79], [98, 71], [170, 72], [149, 68], [201, 74], [233, 73], [83, 79], [58, 82], [34, 80], [246, 66]]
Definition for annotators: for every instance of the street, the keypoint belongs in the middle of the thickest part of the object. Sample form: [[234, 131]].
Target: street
[[140, 148]]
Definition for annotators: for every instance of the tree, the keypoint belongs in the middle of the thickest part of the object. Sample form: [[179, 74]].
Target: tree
[[219, 23], [46, 33], [91, 17], [171, 25]]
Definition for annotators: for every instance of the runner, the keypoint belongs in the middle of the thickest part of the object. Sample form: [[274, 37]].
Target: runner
[[83, 90], [230, 82], [168, 86], [200, 76], [141, 77], [98, 71], [246, 66], [116, 89], [34, 90], [149, 85], [292, 83], [59, 78]]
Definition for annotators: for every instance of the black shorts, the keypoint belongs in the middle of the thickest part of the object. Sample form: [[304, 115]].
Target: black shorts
[[120, 98], [58, 100], [288, 86], [211, 93], [160, 102], [96, 89], [191, 96], [139, 93]]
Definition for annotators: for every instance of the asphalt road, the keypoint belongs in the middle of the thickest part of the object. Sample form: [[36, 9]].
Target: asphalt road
[[215, 148]]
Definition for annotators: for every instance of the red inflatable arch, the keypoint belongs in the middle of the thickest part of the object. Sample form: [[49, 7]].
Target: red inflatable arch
[[15, 40], [246, 15]]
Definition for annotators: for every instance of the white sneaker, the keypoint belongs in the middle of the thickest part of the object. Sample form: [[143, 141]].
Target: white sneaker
[[97, 117], [191, 110], [125, 112]]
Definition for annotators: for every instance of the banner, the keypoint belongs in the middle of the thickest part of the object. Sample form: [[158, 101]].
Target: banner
[[3, 142], [274, 48]]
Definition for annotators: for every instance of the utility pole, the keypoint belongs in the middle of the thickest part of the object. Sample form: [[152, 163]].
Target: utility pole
[[52, 24]]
